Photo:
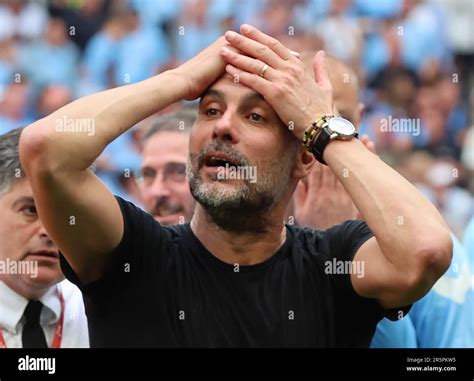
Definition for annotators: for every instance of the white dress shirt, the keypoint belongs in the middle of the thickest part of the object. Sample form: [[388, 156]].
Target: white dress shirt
[[75, 332]]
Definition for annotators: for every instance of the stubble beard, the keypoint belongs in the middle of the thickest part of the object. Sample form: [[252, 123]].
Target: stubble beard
[[240, 206]]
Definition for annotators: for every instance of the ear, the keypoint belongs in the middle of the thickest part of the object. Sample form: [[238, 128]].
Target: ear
[[304, 162]]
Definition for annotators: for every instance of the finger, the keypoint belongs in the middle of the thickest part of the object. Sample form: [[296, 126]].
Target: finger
[[299, 196], [315, 176], [254, 49], [254, 81], [275, 45], [340, 188], [371, 147], [320, 70], [327, 177], [330, 178], [248, 64], [296, 54], [368, 143]]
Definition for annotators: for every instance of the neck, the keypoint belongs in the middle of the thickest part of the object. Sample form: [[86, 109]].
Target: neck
[[25, 290], [243, 247]]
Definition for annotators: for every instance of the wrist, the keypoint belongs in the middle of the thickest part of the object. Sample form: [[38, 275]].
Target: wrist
[[324, 131], [176, 80], [313, 129], [310, 120], [339, 148]]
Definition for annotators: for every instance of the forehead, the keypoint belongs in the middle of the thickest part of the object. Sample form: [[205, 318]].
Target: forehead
[[18, 188], [232, 90], [165, 146]]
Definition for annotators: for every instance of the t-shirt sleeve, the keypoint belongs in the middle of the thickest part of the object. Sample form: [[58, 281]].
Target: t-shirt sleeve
[[139, 256], [354, 313]]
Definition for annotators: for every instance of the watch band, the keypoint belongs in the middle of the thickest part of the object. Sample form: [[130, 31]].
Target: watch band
[[312, 132], [319, 134], [323, 139], [318, 146]]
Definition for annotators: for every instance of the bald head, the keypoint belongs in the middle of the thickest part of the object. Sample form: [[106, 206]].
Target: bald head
[[345, 86]]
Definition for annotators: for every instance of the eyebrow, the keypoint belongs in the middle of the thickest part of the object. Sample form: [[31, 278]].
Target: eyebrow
[[167, 164], [212, 93], [251, 98], [247, 99], [24, 200]]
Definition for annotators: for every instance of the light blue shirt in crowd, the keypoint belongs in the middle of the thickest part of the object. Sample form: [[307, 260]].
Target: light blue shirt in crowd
[[443, 318], [140, 54], [468, 241], [45, 64]]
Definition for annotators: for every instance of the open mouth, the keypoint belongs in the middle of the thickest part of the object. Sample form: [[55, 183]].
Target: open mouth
[[216, 159], [45, 254]]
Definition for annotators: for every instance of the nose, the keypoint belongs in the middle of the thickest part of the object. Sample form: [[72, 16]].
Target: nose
[[42, 232], [225, 127], [159, 188], [44, 235]]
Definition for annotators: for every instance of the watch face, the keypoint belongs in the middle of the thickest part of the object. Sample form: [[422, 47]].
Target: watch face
[[341, 126]]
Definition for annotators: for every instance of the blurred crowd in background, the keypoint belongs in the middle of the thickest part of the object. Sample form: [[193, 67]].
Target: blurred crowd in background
[[414, 60]]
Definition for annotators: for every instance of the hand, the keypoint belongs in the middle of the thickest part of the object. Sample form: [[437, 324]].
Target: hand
[[286, 85], [321, 201], [197, 74]]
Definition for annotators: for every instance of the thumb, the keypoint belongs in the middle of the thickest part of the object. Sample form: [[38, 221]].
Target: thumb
[[321, 74]]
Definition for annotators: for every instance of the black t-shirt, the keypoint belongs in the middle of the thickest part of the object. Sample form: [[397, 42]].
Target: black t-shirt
[[163, 288]]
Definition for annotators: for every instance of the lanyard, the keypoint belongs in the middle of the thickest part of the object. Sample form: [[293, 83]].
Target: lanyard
[[59, 328]]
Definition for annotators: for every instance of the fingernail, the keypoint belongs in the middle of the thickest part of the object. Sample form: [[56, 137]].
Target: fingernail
[[223, 50], [230, 35], [245, 28], [296, 54]]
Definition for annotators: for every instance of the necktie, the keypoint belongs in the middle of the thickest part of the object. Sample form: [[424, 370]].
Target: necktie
[[33, 335]]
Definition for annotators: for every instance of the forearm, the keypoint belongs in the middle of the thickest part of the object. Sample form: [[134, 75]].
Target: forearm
[[403, 221], [75, 135]]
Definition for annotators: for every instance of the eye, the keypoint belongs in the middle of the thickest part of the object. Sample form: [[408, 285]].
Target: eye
[[146, 176], [30, 210], [147, 173], [256, 117], [176, 172], [212, 112], [181, 169]]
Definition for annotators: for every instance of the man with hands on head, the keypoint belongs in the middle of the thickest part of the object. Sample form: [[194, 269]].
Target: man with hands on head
[[236, 276]]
